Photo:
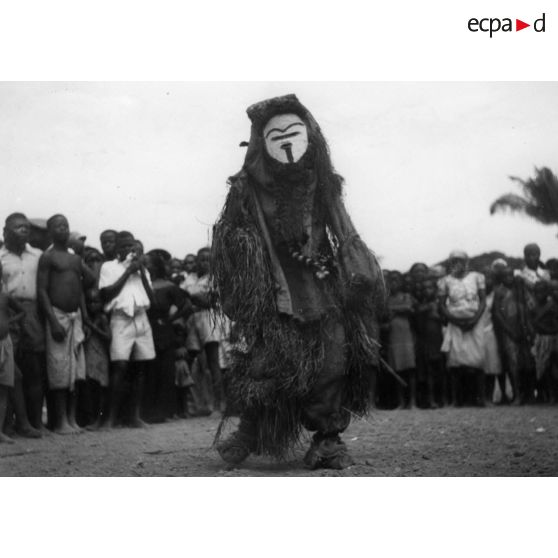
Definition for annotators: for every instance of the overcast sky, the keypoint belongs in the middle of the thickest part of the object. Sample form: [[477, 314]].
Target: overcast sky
[[422, 161]]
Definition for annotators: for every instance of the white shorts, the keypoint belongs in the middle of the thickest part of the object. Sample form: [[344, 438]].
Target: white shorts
[[131, 337]]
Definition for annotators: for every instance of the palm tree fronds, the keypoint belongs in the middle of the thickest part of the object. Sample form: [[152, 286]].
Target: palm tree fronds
[[509, 202], [539, 200]]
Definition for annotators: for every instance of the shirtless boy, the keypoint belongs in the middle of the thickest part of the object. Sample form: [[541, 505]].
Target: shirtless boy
[[60, 292]]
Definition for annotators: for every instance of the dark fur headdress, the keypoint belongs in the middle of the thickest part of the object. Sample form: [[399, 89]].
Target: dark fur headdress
[[256, 164], [260, 113]]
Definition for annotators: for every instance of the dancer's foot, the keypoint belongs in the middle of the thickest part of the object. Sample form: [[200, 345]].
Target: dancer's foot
[[237, 447], [327, 451]]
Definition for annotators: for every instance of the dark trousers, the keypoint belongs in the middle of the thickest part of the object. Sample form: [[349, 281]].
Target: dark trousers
[[324, 410]]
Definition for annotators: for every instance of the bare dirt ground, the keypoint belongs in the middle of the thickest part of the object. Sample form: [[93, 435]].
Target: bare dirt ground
[[496, 441]]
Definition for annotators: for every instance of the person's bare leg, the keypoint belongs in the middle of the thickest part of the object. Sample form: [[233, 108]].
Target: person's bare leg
[[182, 402], [402, 390], [137, 391], [516, 388], [490, 382], [101, 409], [199, 390], [442, 372], [412, 389], [400, 396], [3, 408], [373, 390], [72, 408], [62, 425], [455, 377], [23, 426], [430, 385], [33, 386], [481, 388], [116, 391], [502, 385], [212, 355], [103, 405]]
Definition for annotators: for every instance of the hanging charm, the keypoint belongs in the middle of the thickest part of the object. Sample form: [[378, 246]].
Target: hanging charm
[[320, 265]]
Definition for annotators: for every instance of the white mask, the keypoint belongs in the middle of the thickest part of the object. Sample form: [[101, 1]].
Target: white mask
[[286, 138]]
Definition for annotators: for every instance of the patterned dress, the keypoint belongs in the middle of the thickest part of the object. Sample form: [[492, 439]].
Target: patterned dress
[[464, 348]]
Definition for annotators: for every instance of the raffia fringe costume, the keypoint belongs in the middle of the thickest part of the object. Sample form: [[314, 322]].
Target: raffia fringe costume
[[303, 291]]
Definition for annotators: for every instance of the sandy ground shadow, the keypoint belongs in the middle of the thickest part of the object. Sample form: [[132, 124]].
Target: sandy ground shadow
[[496, 441]]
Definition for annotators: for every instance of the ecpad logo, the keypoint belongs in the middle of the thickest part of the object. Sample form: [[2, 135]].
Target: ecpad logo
[[492, 25]]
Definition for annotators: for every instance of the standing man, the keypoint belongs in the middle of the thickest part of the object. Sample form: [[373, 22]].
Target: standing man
[[525, 280], [20, 263], [126, 290], [60, 290]]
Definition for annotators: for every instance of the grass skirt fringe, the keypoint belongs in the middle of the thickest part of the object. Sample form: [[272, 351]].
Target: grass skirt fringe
[[278, 364]]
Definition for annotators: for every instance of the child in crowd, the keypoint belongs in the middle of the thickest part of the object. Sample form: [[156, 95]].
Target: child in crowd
[[419, 272], [430, 360], [7, 366], [60, 291], [108, 244], [177, 274], [204, 329], [544, 318], [183, 381], [169, 304], [407, 283], [97, 360], [189, 263], [492, 363], [401, 344], [533, 270], [93, 260], [507, 327]]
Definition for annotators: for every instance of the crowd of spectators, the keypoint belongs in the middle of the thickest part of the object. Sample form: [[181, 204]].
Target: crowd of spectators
[[101, 338], [455, 336]]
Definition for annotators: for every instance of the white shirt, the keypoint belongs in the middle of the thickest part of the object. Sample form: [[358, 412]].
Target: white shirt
[[189, 281], [132, 298], [198, 285], [20, 272], [532, 276]]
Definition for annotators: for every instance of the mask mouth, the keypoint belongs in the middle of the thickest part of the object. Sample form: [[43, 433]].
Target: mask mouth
[[287, 148]]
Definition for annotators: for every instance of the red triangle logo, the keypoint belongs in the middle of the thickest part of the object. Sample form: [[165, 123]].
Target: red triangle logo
[[519, 25]]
